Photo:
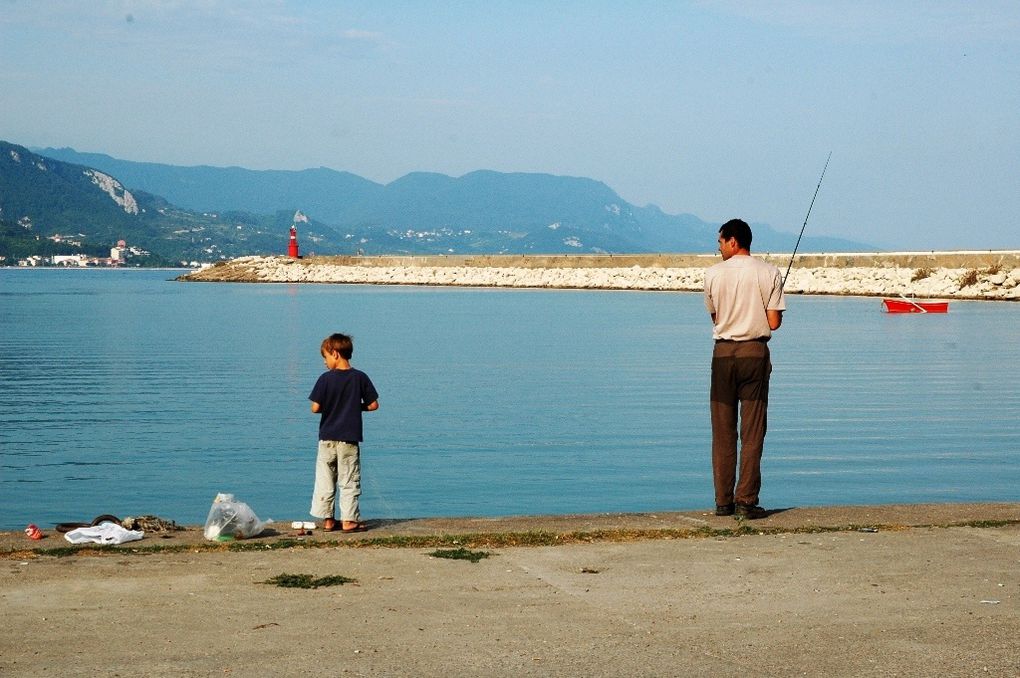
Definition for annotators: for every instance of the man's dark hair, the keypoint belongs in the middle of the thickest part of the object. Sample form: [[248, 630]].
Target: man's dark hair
[[737, 228]]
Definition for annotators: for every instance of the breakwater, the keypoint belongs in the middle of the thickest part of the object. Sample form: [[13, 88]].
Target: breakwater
[[989, 275]]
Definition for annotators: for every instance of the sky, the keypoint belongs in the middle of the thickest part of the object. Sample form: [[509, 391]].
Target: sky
[[719, 109]]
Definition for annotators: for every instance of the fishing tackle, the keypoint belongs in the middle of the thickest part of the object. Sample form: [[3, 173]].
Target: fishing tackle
[[805, 220]]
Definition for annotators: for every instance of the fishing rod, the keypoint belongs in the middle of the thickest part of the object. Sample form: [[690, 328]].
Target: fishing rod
[[805, 220]]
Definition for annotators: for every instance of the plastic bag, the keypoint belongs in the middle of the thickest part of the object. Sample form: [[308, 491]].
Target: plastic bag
[[232, 519], [105, 532]]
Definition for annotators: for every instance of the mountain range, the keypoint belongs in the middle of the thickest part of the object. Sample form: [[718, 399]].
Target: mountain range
[[205, 213], [50, 207]]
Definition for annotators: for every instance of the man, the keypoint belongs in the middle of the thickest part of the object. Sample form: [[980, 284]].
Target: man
[[744, 295]]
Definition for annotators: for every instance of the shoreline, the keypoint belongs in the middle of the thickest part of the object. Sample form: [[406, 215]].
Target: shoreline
[[907, 590], [543, 530], [988, 276]]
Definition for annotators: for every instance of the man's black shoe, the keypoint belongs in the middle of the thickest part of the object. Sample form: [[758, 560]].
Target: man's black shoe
[[750, 511], [724, 509]]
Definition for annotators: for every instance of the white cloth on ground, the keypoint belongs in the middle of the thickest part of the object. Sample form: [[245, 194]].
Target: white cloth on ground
[[103, 533]]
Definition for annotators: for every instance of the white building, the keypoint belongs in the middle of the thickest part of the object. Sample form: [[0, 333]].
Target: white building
[[70, 260], [120, 253]]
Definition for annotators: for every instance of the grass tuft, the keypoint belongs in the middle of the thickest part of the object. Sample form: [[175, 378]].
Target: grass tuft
[[460, 554], [307, 581], [82, 550]]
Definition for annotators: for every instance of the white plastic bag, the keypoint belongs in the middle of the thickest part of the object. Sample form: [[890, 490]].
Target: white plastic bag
[[103, 533], [232, 519]]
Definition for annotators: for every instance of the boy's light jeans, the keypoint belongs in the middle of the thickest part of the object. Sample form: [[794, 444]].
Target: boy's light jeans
[[337, 463]]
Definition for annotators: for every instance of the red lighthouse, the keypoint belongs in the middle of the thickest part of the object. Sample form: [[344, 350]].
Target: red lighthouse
[[292, 246]]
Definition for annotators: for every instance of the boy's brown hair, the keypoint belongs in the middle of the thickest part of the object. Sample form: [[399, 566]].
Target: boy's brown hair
[[341, 343]]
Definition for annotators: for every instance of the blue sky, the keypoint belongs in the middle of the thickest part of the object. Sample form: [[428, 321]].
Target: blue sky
[[719, 109]]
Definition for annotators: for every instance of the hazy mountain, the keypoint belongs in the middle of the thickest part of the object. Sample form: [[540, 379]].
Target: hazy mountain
[[41, 197], [210, 189], [422, 212]]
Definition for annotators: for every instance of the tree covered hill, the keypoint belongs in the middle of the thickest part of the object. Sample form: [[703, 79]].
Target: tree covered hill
[[480, 212], [182, 214], [41, 197], [485, 212], [320, 192]]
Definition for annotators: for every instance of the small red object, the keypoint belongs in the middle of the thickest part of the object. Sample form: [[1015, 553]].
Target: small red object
[[292, 245], [33, 532], [905, 305]]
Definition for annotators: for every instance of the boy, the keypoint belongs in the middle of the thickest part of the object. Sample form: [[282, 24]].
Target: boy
[[340, 395]]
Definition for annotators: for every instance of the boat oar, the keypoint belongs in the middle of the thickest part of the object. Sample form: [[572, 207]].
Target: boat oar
[[804, 225], [913, 303]]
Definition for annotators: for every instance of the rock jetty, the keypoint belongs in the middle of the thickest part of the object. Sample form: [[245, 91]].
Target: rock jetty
[[946, 275]]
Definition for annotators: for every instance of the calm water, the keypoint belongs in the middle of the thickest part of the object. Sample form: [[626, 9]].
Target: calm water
[[124, 392]]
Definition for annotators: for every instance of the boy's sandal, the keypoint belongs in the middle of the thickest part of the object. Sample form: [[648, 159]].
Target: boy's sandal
[[360, 527], [330, 526]]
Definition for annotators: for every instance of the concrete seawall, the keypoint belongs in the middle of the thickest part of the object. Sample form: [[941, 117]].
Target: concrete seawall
[[990, 275]]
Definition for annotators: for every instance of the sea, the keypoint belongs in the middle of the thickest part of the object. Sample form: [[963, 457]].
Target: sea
[[126, 392]]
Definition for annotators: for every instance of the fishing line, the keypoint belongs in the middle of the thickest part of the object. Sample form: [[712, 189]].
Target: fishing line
[[377, 490], [805, 220]]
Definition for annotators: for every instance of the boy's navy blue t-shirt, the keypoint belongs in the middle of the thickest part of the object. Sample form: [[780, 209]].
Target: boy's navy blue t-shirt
[[341, 393]]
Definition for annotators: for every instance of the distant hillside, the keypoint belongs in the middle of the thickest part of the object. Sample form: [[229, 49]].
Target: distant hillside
[[212, 189], [421, 213], [42, 197]]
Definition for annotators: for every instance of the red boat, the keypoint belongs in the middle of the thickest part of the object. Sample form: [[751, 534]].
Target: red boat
[[904, 305]]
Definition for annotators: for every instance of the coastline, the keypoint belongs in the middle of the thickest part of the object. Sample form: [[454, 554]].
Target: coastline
[[908, 590], [541, 530], [989, 276]]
